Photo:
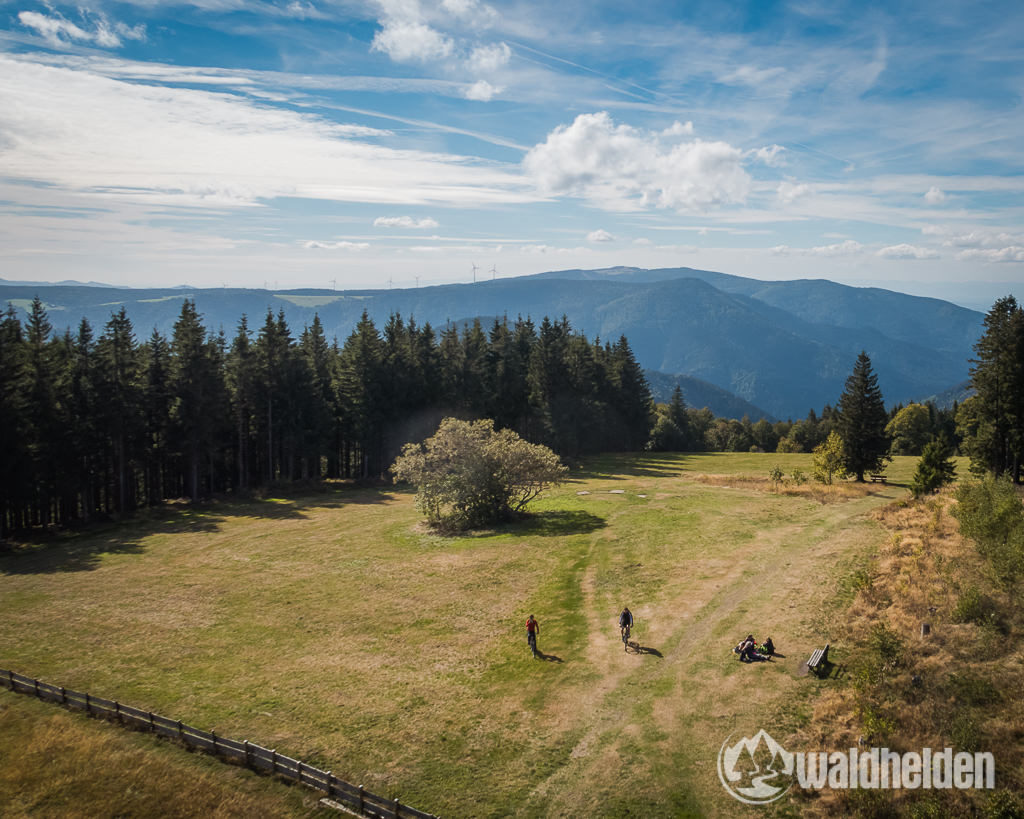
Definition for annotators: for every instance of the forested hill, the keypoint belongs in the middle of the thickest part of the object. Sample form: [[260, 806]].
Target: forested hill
[[782, 346]]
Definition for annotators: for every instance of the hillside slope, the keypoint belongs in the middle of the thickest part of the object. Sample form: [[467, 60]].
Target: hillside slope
[[782, 346]]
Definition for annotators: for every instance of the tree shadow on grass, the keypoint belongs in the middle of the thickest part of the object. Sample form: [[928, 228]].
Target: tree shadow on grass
[[291, 504], [619, 467], [550, 524], [80, 548], [82, 551]]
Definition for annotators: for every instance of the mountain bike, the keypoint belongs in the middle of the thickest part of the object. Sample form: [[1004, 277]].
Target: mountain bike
[[625, 638], [531, 638]]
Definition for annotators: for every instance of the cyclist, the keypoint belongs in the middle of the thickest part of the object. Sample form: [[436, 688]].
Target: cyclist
[[625, 624], [532, 630]]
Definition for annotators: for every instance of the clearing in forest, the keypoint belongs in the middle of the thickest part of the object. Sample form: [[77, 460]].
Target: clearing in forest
[[332, 628]]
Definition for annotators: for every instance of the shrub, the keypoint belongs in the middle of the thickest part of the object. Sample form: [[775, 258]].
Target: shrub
[[469, 474], [991, 514], [799, 477], [829, 459], [935, 469], [974, 607], [886, 645], [971, 690], [1003, 804], [964, 731]]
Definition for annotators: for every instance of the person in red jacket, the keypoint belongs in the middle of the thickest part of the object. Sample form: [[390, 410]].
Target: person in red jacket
[[532, 630]]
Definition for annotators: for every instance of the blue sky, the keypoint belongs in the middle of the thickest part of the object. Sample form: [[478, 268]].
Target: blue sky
[[301, 143]]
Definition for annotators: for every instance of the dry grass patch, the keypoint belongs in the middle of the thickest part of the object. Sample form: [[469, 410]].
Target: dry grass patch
[[957, 687], [821, 493], [54, 763]]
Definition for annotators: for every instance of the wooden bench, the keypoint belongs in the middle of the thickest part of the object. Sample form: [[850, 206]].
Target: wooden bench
[[818, 659], [877, 477]]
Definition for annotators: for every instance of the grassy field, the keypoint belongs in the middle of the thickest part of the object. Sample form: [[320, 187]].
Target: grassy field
[[334, 629]]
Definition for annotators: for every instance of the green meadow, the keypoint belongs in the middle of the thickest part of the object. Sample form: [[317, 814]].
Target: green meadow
[[332, 627]]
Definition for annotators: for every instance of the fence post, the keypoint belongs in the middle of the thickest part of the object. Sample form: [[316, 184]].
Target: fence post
[[151, 726], [10, 678], [88, 708], [117, 711], [273, 761], [245, 747], [397, 806], [330, 784], [362, 799], [35, 685], [63, 696], [181, 733]]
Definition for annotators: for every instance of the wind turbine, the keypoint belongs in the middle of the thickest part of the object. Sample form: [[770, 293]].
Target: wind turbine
[[417, 281], [494, 272], [474, 273], [334, 284]]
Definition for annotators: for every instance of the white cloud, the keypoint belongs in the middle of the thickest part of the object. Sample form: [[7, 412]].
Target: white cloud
[[482, 91], [679, 129], [301, 10], [315, 245], [748, 75], [905, 251], [600, 235], [489, 58], [472, 11], [192, 147], [59, 31], [619, 167], [411, 41], [769, 155], [1013, 253], [642, 241], [404, 222], [56, 30], [789, 192], [934, 196], [982, 238], [847, 248]]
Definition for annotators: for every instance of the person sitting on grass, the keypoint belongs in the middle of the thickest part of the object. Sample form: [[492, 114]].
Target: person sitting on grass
[[767, 648], [746, 648]]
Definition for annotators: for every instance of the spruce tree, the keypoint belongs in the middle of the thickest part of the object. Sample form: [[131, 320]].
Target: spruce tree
[[862, 420], [936, 467], [241, 378], [13, 423], [157, 404], [118, 373], [998, 380]]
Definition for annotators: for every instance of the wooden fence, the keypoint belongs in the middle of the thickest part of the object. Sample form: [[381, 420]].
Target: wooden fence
[[252, 756]]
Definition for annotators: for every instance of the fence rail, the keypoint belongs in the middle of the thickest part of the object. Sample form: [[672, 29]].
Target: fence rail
[[246, 753]]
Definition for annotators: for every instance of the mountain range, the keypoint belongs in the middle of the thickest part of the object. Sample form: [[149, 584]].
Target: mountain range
[[780, 347]]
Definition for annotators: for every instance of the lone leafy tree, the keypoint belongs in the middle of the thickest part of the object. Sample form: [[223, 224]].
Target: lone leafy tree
[[468, 473], [828, 459], [862, 420]]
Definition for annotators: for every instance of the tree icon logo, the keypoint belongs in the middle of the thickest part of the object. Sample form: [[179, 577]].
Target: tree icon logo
[[757, 770]]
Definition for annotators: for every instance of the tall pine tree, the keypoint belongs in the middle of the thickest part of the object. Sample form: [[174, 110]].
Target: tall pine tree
[[862, 420], [998, 379]]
